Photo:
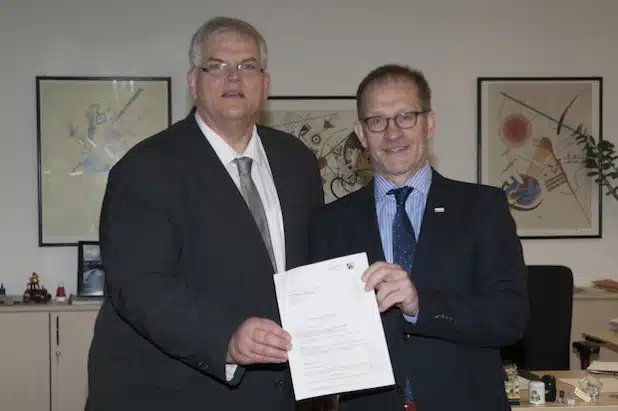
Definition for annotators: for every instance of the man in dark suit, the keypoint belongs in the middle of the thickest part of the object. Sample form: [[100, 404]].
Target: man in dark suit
[[195, 222], [446, 263]]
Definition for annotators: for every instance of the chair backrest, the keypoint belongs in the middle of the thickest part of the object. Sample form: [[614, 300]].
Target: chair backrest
[[546, 344]]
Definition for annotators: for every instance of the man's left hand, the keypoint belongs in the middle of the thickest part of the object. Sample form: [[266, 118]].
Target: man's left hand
[[393, 287]]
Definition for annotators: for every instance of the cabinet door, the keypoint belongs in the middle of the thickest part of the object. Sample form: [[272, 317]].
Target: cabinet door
[[71, 334], [24, 361]]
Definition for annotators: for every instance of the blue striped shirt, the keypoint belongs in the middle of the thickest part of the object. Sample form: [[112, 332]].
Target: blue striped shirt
[[386, 207]]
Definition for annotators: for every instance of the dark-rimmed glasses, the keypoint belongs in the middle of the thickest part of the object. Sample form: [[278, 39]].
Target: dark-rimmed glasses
[[403, 120]]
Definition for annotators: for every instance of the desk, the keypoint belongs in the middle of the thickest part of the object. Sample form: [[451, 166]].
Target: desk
[[605, 402]]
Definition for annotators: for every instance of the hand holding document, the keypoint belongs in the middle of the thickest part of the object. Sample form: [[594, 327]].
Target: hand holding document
[[338, 342]]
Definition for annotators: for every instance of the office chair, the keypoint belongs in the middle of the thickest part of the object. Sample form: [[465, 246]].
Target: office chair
[[546, 341]]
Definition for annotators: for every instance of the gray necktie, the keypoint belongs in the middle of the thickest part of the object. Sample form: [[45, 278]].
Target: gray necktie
[[252, 198]]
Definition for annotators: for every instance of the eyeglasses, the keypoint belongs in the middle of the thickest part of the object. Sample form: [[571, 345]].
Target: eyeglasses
[[404, 120], [220, 69]]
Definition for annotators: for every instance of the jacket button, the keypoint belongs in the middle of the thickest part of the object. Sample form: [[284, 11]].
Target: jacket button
[[202, 365], [277, 383], [406, 337]]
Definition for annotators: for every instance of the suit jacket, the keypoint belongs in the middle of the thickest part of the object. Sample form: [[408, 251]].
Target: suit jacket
[[470, 276], [185, 264]]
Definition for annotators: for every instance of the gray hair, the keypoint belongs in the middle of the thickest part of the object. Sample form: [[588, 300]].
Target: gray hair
[[218, 25]]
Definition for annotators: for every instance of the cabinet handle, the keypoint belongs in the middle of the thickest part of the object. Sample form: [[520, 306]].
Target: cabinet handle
[[57, 330], [58, 353]]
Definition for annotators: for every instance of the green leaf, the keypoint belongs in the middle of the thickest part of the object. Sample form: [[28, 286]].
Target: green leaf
[[603, 144], [599, 159]]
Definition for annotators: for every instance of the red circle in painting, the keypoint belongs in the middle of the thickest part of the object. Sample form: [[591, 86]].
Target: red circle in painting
[[321, 162], [516, 129]]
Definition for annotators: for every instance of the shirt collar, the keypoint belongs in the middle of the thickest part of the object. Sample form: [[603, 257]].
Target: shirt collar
[[420, 181], [224, 151]]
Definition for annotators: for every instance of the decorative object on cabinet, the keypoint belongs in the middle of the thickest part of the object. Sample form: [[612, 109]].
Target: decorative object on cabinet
[[5, 299], [84, 126], [90, 272], [35, 292], [61, 293], [527, 147]]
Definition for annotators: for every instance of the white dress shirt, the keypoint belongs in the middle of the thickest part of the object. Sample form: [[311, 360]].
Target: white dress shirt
[[263, 179]]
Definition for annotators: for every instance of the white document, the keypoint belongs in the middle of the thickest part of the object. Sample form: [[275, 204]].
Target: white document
[[338, 343], [603, 367]]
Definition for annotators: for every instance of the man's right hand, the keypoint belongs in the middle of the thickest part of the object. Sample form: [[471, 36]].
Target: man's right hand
[[258, 341]]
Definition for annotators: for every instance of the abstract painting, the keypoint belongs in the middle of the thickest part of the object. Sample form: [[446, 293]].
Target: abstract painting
[[84, 126], [325, 124], [527, 147]]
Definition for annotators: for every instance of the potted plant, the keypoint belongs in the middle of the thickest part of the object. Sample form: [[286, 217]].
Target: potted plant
[[600, 160]]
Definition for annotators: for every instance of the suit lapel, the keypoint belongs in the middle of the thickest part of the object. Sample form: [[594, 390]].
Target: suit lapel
[[367, 229], [223, 197], [435, 225], [209, 170], [368, 235], [284, 184]]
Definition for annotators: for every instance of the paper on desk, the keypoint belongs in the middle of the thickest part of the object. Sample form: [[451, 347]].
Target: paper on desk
[[523, 383], [603, 367], [338, 342], [609, 384]]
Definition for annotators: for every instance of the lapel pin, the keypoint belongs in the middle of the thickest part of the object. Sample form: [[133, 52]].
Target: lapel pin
[[439, 209]]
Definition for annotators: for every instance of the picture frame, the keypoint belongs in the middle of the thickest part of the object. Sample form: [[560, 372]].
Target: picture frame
[[325, 124], [90, 271], [84, 126], [526, 130]]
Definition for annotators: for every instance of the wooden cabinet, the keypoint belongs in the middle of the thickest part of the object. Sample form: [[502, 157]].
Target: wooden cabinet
[[44, 357], [24, 361], [44, 350], [71, 333]]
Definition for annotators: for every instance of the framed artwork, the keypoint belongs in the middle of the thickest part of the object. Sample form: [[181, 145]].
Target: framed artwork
[[326, 125], [527, 147], [90, 273], [84, 126]]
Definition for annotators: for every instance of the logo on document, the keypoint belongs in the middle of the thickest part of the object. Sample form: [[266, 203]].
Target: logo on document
[[350, 265]]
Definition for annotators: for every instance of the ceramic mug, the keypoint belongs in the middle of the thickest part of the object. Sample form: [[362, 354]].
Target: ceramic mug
[[536, 392]]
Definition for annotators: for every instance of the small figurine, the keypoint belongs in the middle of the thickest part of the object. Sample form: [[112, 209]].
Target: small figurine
[[35, 293], [2, 290], [61, 295]]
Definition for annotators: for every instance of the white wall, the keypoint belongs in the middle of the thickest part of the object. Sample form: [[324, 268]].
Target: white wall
[[316, 47]]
